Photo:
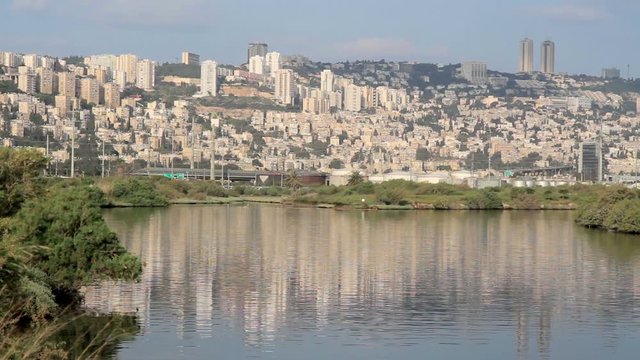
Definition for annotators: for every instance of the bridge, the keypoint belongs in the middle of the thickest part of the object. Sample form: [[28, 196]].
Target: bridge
[[258, 178]]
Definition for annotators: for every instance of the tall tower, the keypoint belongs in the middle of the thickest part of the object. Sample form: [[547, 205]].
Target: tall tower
[[526, 56], [326, 81], [209, 78], [548, 57], [285, 86], [146, 77]]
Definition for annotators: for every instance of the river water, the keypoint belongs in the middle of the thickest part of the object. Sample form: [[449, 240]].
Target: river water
[[273, 282]]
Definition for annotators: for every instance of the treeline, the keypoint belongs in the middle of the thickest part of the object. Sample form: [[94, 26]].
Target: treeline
[[615, 209], [53, 241]]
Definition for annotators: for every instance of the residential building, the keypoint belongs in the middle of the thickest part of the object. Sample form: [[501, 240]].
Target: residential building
[[256, 65], [327, 81], [63, 104], [353, 98], [128, 64], [111, 95], [90, 90], [547, 57], [26, 80], [146, 76], [32, 61], [257, 49], [209, 78], [273, 63], [44, 80], [475, 72], [285, 86], [67, 84], [189, 58], [526, 56]]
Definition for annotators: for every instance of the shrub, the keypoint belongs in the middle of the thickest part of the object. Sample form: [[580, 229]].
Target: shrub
[[483, 200], [365, 188], [393, 196], [137, 193], [624, 216]]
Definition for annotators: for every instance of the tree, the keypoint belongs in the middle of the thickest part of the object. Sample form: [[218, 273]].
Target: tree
[[53, 239], [293, 180], [336, 164], [355, 179]]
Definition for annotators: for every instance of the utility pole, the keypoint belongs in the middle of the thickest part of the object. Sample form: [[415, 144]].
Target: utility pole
[[48, 159], [73, 144], [103, 158], [212, 175], [193, 142]]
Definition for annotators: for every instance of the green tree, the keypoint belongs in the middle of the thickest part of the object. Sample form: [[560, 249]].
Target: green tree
[[336, 164], [292, 180], [355, 179]]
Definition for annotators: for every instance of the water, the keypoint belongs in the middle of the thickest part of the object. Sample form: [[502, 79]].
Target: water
[[271, 282]]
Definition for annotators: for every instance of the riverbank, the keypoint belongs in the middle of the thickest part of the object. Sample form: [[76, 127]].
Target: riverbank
[[392, 195]]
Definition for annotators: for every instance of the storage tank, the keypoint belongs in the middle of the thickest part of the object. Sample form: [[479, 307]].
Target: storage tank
[[397, 176], [434, 178], [519, 183]]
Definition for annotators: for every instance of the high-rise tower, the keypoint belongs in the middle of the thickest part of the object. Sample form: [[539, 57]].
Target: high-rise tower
[[526, 56], [547, 57]]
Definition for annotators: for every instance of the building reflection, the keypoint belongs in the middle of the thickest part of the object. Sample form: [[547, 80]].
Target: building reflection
[[270, 270]]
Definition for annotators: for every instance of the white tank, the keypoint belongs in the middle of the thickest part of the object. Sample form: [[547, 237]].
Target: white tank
[[397, 176], [542, 183], [519, 183]]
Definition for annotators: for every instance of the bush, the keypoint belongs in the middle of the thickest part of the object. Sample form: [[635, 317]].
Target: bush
[[624, 216], [484, 200], [438, 189], [393, 196], [364, 188], [137, 192]]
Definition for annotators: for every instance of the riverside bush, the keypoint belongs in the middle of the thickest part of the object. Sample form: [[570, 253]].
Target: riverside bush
[[137, 192]]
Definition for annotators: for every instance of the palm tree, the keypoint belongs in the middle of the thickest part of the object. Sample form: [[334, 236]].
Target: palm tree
[[355, 178], [293, 180]]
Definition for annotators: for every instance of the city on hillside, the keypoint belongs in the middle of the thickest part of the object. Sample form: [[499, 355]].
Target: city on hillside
[[454, 123]]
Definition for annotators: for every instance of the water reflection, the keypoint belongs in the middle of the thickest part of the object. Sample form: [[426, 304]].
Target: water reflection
[[269, 274]]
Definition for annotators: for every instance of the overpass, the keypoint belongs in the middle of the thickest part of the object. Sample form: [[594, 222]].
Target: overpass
[[258, 178]]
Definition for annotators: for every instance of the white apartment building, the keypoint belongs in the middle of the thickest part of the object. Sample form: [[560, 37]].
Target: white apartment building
[[285, 86], [256, 65], [353, 98], [273, 63], [209, 78], [327, 81], [146, 76]]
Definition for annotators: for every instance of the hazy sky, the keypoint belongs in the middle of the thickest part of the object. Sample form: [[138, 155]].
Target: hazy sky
[[589, 34]]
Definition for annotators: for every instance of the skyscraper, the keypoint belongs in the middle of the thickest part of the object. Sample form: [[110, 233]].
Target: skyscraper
[[273, 63], [526, 56], [146, 76], [257, 49], [326, 81], [209, 78], [547, 57], [285, 86]]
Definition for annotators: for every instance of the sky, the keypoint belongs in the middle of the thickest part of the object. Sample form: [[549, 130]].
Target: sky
[[589, 34]]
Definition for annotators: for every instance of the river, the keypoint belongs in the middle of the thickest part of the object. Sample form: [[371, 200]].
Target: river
[[274, 282]]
